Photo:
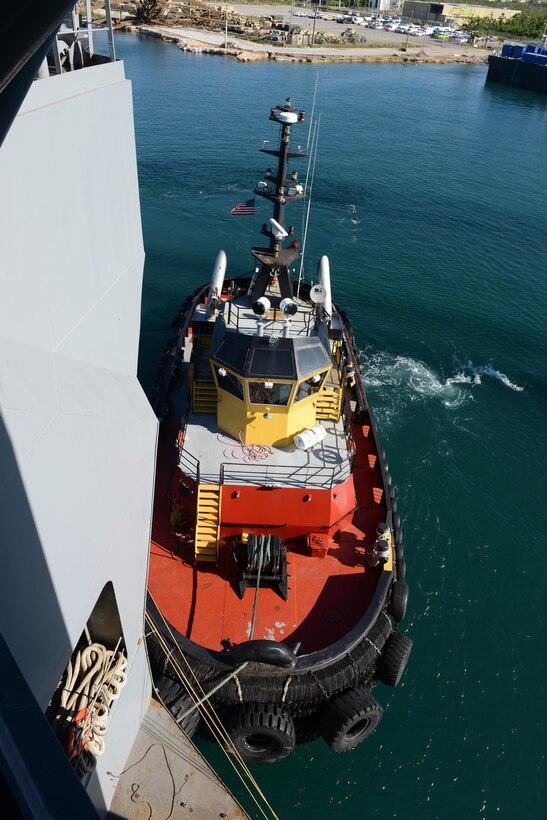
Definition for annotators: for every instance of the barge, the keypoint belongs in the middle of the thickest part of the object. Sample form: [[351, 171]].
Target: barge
[[521, 66]]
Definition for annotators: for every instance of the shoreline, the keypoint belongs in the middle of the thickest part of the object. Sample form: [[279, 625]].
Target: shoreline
[[203, 41]]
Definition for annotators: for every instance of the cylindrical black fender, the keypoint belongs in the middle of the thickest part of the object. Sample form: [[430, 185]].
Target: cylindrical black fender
[[263, 651], [175, 698], [349, 719], [399, 600], [394, 659], [260, 732]]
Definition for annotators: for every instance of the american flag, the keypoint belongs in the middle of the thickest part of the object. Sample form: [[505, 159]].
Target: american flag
[[246, 208]]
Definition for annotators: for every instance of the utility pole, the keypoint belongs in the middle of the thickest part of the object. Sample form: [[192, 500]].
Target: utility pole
[[313, 32], [408, 32]]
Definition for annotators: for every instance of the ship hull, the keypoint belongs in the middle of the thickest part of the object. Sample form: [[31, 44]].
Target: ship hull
[[516, 72], [345, 637]]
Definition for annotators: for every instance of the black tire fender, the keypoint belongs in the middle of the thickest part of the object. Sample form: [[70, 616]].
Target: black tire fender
[[176, 700], [400, 568], [399, 600], [261, 732], [394, 659], [350, 718]]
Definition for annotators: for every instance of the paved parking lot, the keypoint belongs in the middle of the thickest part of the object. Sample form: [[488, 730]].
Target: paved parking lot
[[374, 37]]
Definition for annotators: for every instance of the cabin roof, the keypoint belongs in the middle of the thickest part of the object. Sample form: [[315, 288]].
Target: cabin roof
[[271, 357]]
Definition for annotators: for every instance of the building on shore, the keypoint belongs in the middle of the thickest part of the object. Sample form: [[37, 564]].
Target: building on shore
[[421, 11]]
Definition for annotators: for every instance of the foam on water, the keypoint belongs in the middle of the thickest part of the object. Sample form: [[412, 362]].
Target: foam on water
[[469, 374], [413, 380], [410, 380]]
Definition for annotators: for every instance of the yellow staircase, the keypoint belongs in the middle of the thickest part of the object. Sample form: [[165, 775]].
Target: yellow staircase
[[207, 523], [204, 397], [328, 403]]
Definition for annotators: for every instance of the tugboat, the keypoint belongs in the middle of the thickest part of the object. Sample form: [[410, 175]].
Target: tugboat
[[277, 577]]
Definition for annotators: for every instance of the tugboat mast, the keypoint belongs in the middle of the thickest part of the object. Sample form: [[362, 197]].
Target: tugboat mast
[[285, 189], [282, 165]]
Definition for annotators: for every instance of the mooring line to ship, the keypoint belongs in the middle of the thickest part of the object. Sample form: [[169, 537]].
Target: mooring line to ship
[[203, 700], [209, 714], [261, 550], [218, 731]]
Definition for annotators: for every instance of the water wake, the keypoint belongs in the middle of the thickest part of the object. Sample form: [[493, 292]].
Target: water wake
[[469, 374], [403, 379], [410, 380], [348, 213]]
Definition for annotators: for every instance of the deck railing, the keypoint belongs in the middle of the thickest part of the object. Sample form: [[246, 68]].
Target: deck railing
[[189, 464], [241, 316]]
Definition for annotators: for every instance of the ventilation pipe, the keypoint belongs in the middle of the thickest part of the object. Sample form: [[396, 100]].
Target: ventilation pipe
[[323, 274]]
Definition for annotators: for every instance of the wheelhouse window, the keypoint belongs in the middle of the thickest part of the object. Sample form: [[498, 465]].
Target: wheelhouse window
[[228, 382], [266, 392], [310, 386]]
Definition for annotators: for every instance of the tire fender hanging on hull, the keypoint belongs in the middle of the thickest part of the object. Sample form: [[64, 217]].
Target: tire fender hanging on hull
[[350, 718], [261, 732]]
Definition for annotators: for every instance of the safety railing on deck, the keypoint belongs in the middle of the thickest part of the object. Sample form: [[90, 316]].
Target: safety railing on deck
[[284, 475], [242, 318], [189, 464]]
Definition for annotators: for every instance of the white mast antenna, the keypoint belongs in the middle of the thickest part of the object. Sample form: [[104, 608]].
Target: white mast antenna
[[314, 149], [312, 110]]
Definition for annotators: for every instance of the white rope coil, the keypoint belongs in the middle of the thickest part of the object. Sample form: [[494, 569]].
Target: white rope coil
[[95, 678]]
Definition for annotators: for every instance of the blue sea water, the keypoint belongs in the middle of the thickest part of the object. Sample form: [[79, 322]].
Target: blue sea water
[[429, 199]]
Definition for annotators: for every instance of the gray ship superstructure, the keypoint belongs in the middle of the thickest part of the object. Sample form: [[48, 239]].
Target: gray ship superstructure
[[78, 438]]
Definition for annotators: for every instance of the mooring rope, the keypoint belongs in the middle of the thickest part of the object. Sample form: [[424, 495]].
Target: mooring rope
[[209, 714], [94, 680], [261, 553]]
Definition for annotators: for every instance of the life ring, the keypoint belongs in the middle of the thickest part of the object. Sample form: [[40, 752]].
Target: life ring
[[394, 659], [261, 732], [349, 719], [176, 699], [79, 733], [399, 600]]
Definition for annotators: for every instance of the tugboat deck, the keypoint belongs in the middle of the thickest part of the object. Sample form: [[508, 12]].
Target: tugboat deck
[[324, 467], [327, 596], [318, 612]]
